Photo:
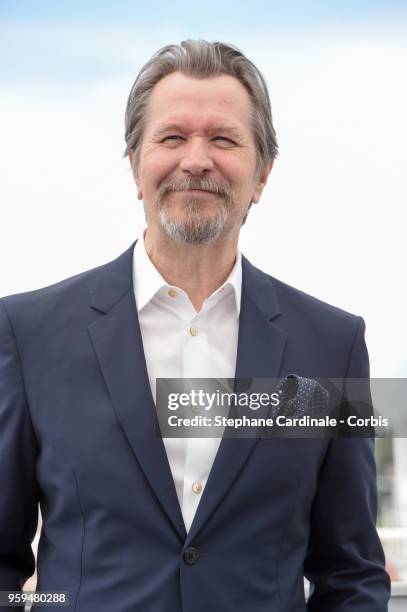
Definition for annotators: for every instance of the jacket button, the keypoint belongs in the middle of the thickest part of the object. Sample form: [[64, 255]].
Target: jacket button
[[191, 556]]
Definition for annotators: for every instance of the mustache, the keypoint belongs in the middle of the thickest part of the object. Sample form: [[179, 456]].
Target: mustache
[[206, 183]]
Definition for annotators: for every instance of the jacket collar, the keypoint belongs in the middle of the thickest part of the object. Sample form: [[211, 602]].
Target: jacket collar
[[115, 278]]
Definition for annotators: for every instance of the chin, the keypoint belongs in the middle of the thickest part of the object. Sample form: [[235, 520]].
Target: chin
[[200, 230]]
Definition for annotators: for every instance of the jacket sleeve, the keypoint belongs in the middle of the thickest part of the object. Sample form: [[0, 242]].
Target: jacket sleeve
[[345, 560], [18, 452]]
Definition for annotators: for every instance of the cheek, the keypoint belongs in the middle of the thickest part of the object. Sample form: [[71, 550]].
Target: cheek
[[154, 168], [237, 170], [241, 184]]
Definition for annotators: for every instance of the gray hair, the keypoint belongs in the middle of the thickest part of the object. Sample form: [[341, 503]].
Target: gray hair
[[201, 59]]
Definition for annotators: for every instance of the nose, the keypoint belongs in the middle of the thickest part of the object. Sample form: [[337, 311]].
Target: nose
[[196, 158]]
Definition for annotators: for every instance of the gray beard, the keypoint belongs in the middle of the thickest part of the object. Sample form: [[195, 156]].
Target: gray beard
[[194, 229]]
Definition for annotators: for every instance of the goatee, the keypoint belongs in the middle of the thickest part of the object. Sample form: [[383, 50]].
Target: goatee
[[195, 227]]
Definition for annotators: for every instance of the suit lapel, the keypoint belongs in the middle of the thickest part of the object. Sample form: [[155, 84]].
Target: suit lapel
[[117, 342], [118, 346], [260, 352]]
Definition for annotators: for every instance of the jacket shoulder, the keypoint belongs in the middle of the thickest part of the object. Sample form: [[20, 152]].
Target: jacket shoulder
[[50, 292], [288, 301], [320, 337], [73, 291], [310, 305]]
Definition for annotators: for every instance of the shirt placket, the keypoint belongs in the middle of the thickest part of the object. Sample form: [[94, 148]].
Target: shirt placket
[[198, 455]]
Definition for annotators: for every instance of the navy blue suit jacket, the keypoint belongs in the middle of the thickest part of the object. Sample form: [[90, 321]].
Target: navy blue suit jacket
[[78, 436]]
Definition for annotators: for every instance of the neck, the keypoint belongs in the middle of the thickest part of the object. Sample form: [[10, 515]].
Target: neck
[[196, 269]]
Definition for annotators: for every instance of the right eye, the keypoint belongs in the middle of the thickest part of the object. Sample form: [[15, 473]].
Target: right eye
[[171, 137]]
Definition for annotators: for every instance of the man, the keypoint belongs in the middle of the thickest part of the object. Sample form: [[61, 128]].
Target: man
[[132, 522]]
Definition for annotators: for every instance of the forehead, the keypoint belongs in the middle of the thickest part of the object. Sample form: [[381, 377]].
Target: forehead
[[215, 100]]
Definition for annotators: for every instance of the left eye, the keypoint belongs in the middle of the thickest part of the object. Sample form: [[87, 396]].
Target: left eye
[[223, 138]]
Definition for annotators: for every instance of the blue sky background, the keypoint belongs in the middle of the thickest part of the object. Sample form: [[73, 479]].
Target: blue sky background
[[73, 40], [222, 14]]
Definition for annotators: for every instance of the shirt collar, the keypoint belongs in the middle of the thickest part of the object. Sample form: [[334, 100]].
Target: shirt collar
[[147, 280]]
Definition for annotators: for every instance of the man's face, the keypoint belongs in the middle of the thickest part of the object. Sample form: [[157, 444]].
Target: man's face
[[197, 162]]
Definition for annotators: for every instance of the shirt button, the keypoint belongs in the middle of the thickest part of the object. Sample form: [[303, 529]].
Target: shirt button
[[193, 331], [172, 293], [197, 487]]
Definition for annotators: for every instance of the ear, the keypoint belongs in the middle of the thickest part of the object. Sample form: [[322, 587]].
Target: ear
[[261, 183], [134, 169]]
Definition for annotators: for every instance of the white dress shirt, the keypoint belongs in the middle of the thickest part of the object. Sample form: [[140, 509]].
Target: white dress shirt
[[180, 342]]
